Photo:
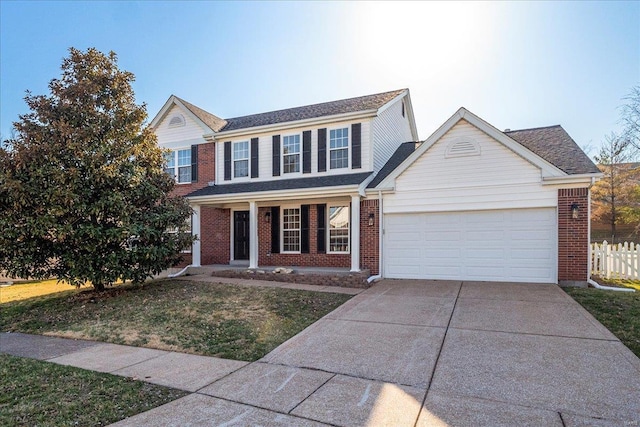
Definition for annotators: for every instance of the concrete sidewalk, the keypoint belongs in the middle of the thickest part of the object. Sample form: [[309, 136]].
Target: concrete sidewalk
[[403, 353]]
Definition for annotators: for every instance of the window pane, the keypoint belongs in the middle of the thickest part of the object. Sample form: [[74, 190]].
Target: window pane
[[240, 168], [339, 228], [291, 230], [170, 159], [339, 138], [184, 174], [171, 172], [184, 158], [241, 150], [339, 158], [291, 144], [291, 163]]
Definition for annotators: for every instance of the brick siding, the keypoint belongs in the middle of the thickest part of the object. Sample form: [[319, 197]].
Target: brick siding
[[369, 234], [312, 259], [573, 237], [215, 244], [206, 170]]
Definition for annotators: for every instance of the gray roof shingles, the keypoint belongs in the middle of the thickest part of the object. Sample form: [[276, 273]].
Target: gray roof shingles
[[403, 151], [283, 184], [554, 144], [361, 103], [213, 121]]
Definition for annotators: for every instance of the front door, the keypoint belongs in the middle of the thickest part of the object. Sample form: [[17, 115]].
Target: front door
[[241, 235]]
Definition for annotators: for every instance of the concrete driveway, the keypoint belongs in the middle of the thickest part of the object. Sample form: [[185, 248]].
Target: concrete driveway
[[432, 353]]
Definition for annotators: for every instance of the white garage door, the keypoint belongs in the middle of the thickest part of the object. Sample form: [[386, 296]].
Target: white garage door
[[504, 245]]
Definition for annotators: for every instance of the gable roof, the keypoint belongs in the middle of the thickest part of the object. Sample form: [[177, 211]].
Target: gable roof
[[554, 144], [361, 103], [214, 122], [549, 155], [403, 151]]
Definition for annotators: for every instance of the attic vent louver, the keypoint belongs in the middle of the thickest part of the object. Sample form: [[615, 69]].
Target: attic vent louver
[[176, 121], [462, 148]]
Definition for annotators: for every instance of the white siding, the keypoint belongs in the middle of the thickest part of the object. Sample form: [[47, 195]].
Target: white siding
[[265, 153], [390, 130], [496, 179], [175, 137], [505, 245]]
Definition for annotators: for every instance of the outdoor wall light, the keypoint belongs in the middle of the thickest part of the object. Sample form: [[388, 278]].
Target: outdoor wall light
[[371, 218], [267, 217], [575, 210]]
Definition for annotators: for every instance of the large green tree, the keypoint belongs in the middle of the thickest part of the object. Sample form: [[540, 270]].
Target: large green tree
[[83, 195]]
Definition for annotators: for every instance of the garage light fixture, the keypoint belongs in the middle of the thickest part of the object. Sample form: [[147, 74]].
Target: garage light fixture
[[575, 210], [267, 217], [371, 218]]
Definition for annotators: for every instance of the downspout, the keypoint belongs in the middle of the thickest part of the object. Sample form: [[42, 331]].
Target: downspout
[[179, 273], [380, 220], [589, 279]]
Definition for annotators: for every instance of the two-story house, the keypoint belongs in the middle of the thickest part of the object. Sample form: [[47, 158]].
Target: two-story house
[[348, 184]]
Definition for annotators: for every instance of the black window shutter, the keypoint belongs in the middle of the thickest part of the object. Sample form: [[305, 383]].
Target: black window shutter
[[275, 230], [194, 163], [304, 229], [227, 160], [276, 155], [322, 228], [306, 151], [322, 150], [254, 157], [356, 146]]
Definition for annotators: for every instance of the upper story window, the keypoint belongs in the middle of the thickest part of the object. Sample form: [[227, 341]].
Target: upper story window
[[291, 230], [177, 121], [339, 228], [291, 154], [241, 159], [178, 165], [339, 148]]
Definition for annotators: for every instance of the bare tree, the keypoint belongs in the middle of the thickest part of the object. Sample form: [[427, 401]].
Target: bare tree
[[611, 192], [631, 118]]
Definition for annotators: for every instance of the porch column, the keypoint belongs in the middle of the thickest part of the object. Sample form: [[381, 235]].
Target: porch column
[[195, 231], [253, 235], [355, 233]]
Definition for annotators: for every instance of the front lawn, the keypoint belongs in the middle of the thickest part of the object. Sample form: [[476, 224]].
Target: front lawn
[[618, 311], [36, 393], [223, 320]]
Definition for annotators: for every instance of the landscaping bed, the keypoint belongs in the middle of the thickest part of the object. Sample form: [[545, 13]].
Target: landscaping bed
[[223, 320], [36, 393]]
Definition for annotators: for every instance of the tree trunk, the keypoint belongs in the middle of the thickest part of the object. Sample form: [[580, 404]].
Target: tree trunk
[[98, 286]]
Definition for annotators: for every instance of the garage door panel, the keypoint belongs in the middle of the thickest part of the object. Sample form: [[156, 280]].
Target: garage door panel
[[507, 245]]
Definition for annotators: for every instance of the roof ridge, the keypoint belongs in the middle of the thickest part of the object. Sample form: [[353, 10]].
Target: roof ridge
[[211, 120], [536, 128], [318, 104]]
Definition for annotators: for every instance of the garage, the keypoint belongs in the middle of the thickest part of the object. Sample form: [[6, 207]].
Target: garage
[[517, 245]]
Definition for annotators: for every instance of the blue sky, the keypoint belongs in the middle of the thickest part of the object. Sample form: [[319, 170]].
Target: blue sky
[[516, 65]]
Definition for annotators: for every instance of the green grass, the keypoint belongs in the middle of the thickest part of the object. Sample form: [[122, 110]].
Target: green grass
[[235, 322], [617, 311], [36, 393]]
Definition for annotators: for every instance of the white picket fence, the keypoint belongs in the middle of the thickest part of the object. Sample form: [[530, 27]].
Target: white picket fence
[[620, 261]]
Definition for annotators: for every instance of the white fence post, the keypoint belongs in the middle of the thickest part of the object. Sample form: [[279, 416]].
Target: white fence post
[[619, 261]]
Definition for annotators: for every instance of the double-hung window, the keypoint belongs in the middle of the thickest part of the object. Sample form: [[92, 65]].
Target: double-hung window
[[291, 153], [339, 228], [241, 159], [339, 148], [291, 230], [178, 165]]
